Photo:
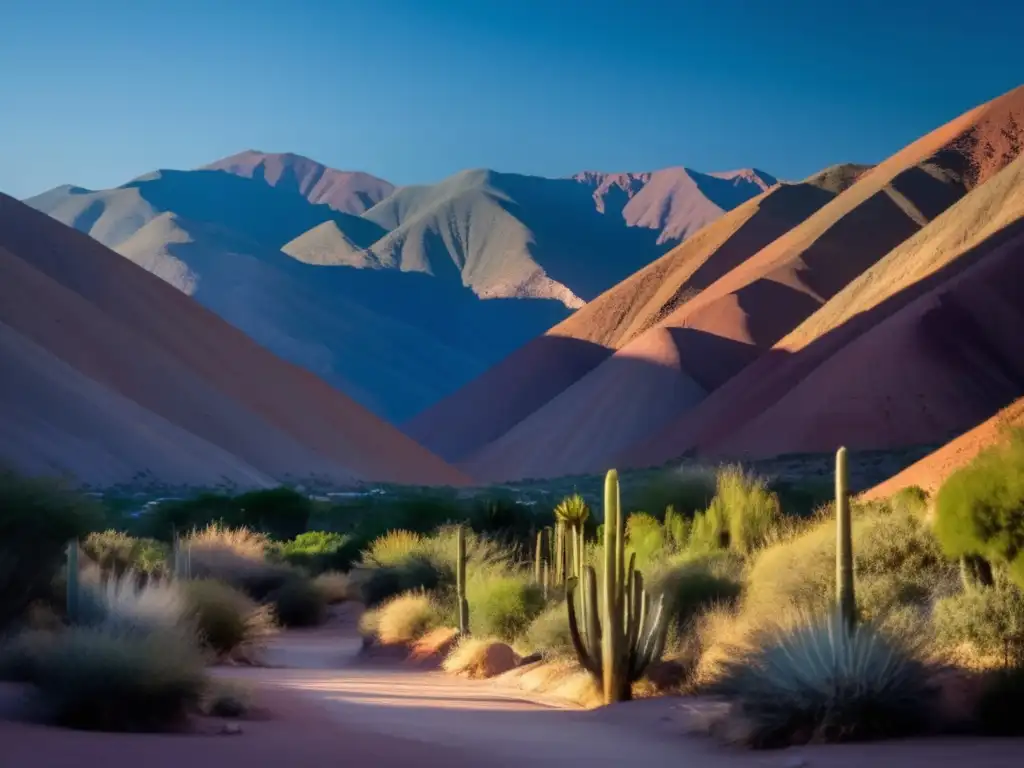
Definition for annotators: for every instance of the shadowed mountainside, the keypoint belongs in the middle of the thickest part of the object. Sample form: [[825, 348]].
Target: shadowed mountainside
[[114, 376], [761, 300], [917, 349], [395, 296]]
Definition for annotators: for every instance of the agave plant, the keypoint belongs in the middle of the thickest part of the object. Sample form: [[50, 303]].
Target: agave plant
[[572, 511], [821, 680]]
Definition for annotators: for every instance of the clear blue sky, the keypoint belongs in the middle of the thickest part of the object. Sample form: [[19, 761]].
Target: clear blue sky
[[95, 92]]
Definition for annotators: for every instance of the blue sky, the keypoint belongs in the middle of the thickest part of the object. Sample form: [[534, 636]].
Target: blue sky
[[96, 93]]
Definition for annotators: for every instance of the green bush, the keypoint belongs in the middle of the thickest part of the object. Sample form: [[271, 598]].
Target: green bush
[[743, 515], [817, 681], [318, 551], [99, 678], [989, 619], [227, 620], [299, 604], [502, 604], [645, 536], [37, 520], [979, 508], [548, 633], [692, 584]]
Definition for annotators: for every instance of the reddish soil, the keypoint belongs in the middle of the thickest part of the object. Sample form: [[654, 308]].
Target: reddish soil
[[295, 731], [931, 471], [919, 348], [203, 394], [738, 317]]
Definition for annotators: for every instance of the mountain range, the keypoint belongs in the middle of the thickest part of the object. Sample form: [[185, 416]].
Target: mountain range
[[396, 296], [845, 308], [513, 326]]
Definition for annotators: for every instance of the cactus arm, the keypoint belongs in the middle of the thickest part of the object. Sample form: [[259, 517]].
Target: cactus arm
[[578, 644], [591, 619], [611, 605]]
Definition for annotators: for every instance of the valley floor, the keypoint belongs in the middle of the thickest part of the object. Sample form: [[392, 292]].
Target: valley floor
[[329, 707]]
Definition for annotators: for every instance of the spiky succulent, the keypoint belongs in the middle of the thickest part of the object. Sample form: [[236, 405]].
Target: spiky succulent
[[573, 511]]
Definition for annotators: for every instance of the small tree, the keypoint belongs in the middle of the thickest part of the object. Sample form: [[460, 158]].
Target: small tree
[[980, 508]]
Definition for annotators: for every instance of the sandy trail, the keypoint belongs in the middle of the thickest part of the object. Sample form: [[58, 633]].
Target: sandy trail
[[491, 724]]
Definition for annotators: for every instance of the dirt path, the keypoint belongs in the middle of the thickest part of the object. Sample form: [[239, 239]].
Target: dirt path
[[496, 725], [329, 707]]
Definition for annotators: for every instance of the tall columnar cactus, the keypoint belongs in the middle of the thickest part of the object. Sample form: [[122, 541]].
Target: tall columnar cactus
[[844, 545], [460, 580], [538, 558], [620, 636], [73, 585]]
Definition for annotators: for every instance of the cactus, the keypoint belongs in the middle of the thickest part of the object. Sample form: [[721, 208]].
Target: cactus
[[570, 515], [460, 581], [73, 586], [845, 596], [538, 558], [182, 558], [620, 636]]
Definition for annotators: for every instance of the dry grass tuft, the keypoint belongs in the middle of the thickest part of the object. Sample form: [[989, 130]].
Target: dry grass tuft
[[480, 658], [406, 618]]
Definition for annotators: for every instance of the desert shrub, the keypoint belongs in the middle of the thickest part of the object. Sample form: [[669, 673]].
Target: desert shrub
[[502, 604], [405, 618], [1001, 702], [913, 499], [677, 529], [227, 620], [692, 584], [480, 657], [402, 561], [236, 556], [988, 619], [116, 552], [369, 622], [37, 520], [742, 515], [128, 604], [895, 549], [548, 633], [299, 604], [318, 551], [818, 681], [336, 587], [101, 678], [980, 508], [645, 536], [395, 548]]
